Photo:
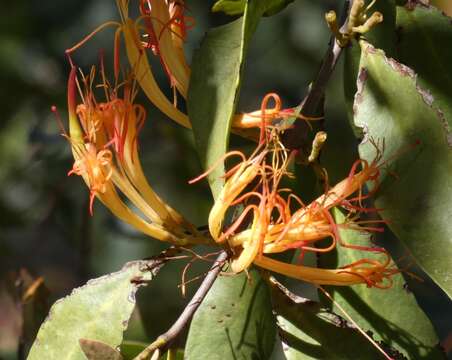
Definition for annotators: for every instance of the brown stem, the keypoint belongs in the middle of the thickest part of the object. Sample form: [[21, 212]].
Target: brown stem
[[296, 138], [165, 340]]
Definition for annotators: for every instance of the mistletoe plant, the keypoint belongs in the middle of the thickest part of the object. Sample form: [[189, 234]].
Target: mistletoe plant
[[258, 226]]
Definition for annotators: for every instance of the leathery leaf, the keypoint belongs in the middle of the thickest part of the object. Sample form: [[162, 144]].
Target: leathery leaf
[[235, 321], [416, 188], [392, 315], [99, 310]]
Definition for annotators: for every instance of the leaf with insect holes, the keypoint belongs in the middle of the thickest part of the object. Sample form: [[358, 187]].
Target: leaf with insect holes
[[392, 315], [234, 321], [99, 311]]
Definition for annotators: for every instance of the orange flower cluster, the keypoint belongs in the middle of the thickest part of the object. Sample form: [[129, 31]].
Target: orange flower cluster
[[276, 219], [104, 134], [161, 30], [104, 140]]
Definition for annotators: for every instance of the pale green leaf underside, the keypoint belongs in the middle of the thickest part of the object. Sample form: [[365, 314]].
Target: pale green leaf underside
[[99, 310]]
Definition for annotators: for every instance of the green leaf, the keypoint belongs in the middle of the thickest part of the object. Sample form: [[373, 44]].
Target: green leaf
[[214, 86], [230, 7], [425, 30], [392, 315], [212, 95], [97, 350], [130, 349], [416, 192], [99, 310], [277, 6], [382, 36], [237, 7], [235, 321], [311, 332]]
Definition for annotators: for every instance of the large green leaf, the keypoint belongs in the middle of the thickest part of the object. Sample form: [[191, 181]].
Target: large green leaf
[[99, 310], [426, 30], [416, 193], [214, 85], [235, 321], [309, 331], [392, 315], [212, 94]]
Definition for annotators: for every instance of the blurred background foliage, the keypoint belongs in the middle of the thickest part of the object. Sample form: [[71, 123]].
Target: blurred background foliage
[[45, 226]]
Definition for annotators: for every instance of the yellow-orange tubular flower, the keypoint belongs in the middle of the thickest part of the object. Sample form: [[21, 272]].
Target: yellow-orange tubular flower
[[155, 26], [164, 32], [274, 219], [104, 140], [161, 30], [372, 273], [133, 32]]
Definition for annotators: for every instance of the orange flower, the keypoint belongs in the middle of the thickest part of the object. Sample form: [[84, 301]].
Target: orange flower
[[155, 16], [165, 32], [276, 116], [162, 28], [277, 220], [104, 140], [373, 273], [96, 168]]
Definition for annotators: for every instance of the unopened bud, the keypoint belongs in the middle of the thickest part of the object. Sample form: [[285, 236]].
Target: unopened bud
[[317, 145], [376, 18]]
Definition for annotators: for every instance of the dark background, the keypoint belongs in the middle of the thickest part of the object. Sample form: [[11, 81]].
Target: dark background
[[45, 226]]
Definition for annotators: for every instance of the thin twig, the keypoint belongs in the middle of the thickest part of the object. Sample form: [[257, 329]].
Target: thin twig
[[165, 340], [296, 138]]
